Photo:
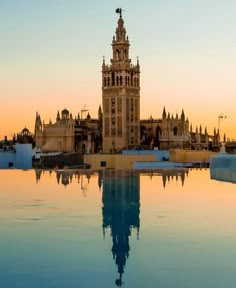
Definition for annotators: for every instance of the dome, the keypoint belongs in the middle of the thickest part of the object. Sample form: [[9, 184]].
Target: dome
[[65, 111], [25, 131]]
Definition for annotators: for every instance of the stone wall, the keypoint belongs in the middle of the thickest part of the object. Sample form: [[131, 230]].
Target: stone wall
[[61, 161]]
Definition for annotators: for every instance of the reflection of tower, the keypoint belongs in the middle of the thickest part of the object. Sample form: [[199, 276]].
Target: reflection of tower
[[38, 173], [65, 177], [120, 212], [169, 175]]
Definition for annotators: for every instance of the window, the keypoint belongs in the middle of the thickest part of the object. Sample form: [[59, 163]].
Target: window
[[117, 54], [103, 164], [175, 131], [113, 79]]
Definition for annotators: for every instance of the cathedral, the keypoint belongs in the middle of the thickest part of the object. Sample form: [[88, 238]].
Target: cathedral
[[118, 125]]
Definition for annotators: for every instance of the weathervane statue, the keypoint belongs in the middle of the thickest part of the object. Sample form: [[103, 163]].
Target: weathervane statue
[[119, 10]]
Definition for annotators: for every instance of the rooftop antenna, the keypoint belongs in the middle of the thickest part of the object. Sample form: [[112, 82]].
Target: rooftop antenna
[[119, 10]]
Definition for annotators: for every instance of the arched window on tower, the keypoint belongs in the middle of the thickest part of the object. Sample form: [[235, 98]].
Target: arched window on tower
[[108, 81], [105, 82], [125, 54], [112, 79], [126, 80], [121, 80], [117, 80], [175, 131], [135, 81], [117, 54]]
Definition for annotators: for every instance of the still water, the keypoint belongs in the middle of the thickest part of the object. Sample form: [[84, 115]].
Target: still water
[[116, 228]]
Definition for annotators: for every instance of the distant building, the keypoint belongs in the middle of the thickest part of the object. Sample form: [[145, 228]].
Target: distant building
[[118, 125], [58, 136], [24, 137], [171, 132], [68, 134]]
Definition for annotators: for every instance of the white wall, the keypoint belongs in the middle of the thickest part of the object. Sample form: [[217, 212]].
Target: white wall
[[21, 158]]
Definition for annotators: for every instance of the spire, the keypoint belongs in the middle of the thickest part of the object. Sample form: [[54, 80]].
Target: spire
[[182, 115], [164, 113], [120, 30], [99, 112], [120, 43], [38, 123], [88, 116], [58, 116]]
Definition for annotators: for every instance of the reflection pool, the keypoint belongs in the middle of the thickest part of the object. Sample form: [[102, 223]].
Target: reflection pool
[[71, 228]]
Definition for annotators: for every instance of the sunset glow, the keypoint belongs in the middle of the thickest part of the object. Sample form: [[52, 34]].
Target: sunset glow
[[51, 58]]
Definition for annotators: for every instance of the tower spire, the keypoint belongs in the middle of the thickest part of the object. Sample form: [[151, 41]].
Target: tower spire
[[121, 95]]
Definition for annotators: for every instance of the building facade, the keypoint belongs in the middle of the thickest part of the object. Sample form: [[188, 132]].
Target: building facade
[[69, 134], [118, 125], [166, 132], [120, 96], [58, 136]]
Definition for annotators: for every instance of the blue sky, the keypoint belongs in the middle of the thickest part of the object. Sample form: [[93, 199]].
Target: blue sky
[[51, 55]]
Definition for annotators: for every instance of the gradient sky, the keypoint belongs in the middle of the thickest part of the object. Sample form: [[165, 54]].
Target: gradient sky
[[51, 56]]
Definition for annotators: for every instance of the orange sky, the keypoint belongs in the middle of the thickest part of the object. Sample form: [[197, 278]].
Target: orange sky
[[186, 51]]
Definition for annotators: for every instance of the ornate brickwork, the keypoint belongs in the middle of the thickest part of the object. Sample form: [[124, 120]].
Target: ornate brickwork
[[121, 90]]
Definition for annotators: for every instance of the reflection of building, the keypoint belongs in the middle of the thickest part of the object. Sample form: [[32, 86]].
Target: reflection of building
[[38, 174], [121, 196], [169, 175], [66, 177]]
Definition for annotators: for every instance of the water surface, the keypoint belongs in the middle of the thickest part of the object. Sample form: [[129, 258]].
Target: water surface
[[116, 228]]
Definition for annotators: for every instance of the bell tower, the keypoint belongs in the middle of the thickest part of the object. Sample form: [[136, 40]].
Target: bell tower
[[120, 95]]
